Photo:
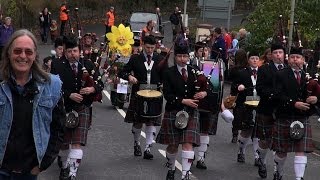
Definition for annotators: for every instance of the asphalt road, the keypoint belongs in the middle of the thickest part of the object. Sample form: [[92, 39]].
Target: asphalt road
[[109, 152]]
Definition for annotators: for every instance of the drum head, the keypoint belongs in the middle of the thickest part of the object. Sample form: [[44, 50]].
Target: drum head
[[149, 93], [252, 103]]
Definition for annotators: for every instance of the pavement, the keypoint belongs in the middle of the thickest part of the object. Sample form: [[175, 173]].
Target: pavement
[[109, 152]]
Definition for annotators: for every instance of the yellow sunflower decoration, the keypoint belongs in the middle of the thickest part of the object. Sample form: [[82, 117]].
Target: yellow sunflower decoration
[[121, 39]]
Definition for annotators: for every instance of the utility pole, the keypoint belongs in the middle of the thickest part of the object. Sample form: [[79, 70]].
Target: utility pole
[[203, 9], [185, 13], [229, 14], [293, 3]]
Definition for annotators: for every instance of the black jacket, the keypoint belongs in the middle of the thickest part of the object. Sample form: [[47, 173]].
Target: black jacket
[[287, 92], [175, 88], [265, 90], [137, 66], [72, 84], [244, 77]]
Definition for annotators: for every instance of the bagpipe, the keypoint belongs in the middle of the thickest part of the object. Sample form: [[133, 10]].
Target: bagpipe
[[209, 78], [89, 78]]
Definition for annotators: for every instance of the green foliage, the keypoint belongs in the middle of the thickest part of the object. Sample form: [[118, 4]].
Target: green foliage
[[262, 23]]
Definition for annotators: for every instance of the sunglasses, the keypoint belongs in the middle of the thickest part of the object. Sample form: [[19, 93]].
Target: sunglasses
[[18, 51]]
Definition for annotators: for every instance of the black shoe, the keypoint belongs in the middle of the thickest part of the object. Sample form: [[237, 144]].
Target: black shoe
[[256, 162], [234, 139], [262, 169], [137, 150], [72, 177], [201, 164], [276, 176], [187, 177], [241, 158], [59, 161], [147, 154], [64, 174], [170, 175]]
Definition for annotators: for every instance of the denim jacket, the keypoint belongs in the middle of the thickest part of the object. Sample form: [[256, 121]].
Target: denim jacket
[[44, 103]]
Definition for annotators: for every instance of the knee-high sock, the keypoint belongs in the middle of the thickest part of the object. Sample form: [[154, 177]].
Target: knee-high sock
[[279, 163], [243, 142], [75, 157], [204, 141], [64, 158], [187, 158], [136, 134], [262, 154], [300, 163], [150, 133], [255, 144], [171, 160]]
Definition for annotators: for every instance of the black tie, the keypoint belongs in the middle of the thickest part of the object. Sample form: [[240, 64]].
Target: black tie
[[74, 69], [184, 74], [280, 66], [149, 59], [254, 73], [298, 76]]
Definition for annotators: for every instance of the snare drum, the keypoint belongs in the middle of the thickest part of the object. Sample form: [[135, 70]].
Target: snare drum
[[252, 103], [149, 103]]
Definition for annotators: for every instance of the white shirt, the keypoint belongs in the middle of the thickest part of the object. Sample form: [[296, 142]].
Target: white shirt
[[179, 69]]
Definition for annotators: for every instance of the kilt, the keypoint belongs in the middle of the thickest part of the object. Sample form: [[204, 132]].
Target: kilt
[[133, 117], [79, 134], [263, 128], [208, 122], [170, 135], [213, 129], [243, 118], [281, 141]]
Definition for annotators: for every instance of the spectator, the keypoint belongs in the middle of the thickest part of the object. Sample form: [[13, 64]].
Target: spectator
[[31, 127], [45, 22], [219, 48], [227, 37], [6, 30], [53, 30], [242, 38], [266, 57], [46, 66], [160, 20], [146, 31], [234, 45], [109, 22], [175, 19], [63, 17]]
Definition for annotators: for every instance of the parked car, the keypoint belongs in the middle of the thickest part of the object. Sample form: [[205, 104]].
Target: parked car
[[138, 21]]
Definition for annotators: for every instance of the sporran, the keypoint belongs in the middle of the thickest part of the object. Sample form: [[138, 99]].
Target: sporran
[[72, 120], [182, 118]]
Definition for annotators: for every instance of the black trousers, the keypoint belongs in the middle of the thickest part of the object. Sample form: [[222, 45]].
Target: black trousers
[[63, 25]]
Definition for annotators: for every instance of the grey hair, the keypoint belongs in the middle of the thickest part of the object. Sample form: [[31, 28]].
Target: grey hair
[[7, 18], [38, 73]]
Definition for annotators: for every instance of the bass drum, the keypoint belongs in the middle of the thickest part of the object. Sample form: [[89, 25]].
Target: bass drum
[[149, 103]]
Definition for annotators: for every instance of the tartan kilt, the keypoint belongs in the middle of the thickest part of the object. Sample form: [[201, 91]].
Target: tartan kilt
[[170, 135], [208, 122], [243, 118], [213, 129], [263, 128], [281, 136], [133, 117], [79, 134]]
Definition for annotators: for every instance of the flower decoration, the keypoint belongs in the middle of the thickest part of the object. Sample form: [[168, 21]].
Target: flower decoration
[[121, 39]]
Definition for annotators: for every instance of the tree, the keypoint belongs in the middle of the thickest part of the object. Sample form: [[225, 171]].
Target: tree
[[262, 23]]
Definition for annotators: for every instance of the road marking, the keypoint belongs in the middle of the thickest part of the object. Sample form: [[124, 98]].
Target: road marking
[[316, 154], [123, 114], [162, 152], [178, 165]]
